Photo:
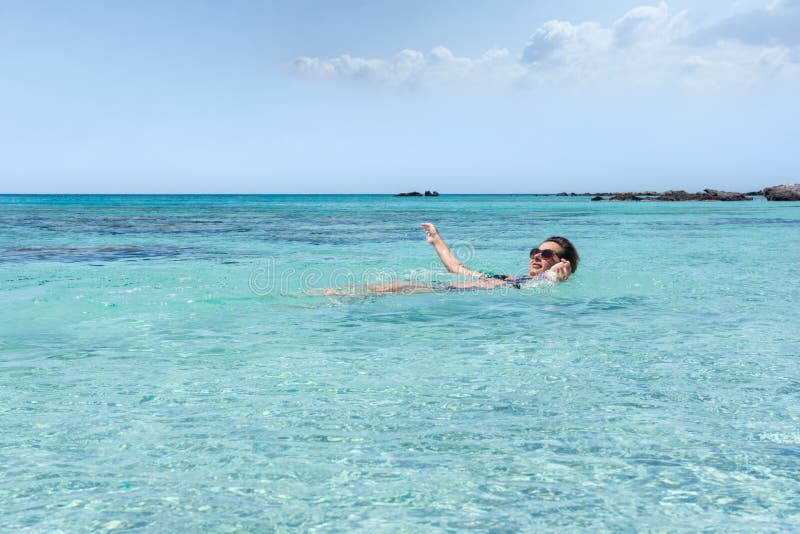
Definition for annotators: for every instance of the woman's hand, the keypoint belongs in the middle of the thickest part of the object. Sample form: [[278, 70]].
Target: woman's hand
[[560, 271], [449, 260], [431, 233]]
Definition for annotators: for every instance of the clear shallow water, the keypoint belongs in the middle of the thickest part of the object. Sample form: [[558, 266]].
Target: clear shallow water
[[163, 368]]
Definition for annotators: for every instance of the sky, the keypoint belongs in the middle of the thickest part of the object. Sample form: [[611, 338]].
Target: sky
[[359, 96]]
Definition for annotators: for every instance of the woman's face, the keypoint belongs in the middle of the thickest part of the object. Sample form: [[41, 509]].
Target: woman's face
[[539, 263]]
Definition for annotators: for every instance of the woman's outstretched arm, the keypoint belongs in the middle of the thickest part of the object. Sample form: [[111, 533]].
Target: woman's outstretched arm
[[445, 254]]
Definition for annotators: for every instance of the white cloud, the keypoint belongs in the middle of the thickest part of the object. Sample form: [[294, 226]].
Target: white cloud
[[559, 41], [648, 45], [643, 24], [412, 68]]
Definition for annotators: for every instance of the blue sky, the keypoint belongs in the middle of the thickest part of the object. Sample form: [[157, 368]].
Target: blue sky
[[381, 97]]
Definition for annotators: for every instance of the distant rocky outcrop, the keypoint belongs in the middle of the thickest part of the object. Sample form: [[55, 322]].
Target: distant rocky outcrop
[[621, 197], [618, 197], [607, 194], [783, 192], [724, 196], [642, 193], [677, 195], [708, 195], [418, 194]]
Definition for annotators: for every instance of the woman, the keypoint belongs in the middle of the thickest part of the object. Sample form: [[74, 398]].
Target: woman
[[555, 259]]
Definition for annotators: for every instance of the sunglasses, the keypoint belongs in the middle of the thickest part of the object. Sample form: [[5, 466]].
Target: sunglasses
[[546, 253]]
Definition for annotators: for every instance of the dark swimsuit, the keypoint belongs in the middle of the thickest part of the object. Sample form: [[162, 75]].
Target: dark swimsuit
[[515, 282]]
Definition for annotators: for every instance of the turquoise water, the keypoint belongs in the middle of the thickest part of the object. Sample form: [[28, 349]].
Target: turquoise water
[[166, 366]]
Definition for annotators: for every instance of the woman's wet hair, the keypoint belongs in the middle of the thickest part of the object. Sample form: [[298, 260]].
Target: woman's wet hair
[[570, 252]]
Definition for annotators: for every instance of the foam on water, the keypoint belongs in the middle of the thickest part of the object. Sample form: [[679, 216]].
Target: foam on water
[[163, 366]]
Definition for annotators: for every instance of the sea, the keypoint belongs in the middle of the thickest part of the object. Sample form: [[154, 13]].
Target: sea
[[175, 364]]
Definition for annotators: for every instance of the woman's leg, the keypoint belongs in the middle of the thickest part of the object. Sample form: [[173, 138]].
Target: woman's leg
[[393, 287]]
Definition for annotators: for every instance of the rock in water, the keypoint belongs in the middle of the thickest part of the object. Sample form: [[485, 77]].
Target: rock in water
[[624, 196], [783, 192], [677, 195], [713, 194]]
